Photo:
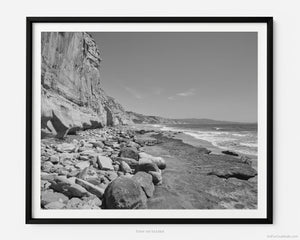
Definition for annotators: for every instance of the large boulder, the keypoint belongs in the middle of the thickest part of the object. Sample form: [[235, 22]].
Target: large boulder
[[159, 161], [147, 165], [129, 152], [145, 180], [156, 177], [124, 193]]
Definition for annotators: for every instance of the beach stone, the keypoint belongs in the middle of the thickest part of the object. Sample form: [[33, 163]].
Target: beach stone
[[84, 158], [133, 144], [55, 205], [145, 140], [83, 174], [66, 147], [63, 185], [91, 187], [241, 172], [130, 161], [88, 152], [45, 185], [159, 161], [54, 159], [92, 201], [145, 180], [129, 152], [48, 176], [74, 203], [125, 167], [124, 193], [104, 163], [147, 165], [47, 167], [83, 165], [66, 157], [108, 143], [156, 177], [230, 153], [50, 196], [97, 144]]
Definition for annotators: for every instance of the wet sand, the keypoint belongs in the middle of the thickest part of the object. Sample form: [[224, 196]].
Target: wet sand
[[187, 185]]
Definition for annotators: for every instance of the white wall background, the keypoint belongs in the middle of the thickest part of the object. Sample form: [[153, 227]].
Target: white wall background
[[286, 116]]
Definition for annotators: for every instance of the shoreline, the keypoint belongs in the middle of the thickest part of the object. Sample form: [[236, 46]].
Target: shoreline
[[193, 141], [193, 178], [187, 183]]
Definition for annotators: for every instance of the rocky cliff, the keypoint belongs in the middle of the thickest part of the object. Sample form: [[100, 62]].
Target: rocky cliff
[[71, 94], [144, 119]]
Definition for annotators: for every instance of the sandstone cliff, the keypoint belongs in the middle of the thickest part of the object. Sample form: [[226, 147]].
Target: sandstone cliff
[[71, 93], [144, 119]]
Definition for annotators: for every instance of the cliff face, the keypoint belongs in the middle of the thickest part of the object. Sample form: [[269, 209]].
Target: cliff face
[[71, 92], [144, 119]]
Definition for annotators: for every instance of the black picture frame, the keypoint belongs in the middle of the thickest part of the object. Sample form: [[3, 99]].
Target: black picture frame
[[29, 119]]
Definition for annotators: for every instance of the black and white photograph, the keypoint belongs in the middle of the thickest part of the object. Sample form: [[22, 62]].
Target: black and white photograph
[[150, 120], [166, 123]]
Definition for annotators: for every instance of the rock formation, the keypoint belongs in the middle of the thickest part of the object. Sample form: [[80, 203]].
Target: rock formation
[[71, 94]]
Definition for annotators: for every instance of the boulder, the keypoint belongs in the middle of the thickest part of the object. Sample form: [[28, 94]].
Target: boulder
[[93, 202], [47, 167], [45, 185], [50, 196], [130, 161], [82, 165], [156, 177], [129, 152], [54, 159], [125, 167], [124, 193], [63, 185], [97, 144], [91, 187], [159, 161], [104, 163], [237, 171], [48, 176], [133, 144], [66, 147], [74, 203], [145, 180], [147, 165]]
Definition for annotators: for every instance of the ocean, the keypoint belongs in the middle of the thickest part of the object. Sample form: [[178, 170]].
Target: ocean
[[240, 138]]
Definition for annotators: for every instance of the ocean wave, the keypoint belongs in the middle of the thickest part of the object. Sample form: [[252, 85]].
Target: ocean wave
[[243, 142], [249, 144]]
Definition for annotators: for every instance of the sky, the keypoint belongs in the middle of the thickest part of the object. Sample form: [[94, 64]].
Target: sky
[[182, 75]]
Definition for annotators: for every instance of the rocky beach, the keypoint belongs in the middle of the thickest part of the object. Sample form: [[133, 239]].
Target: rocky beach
[[121, 168], [96, 155]]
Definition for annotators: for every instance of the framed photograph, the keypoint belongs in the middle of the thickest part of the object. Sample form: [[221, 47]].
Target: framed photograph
[[149, 120]]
